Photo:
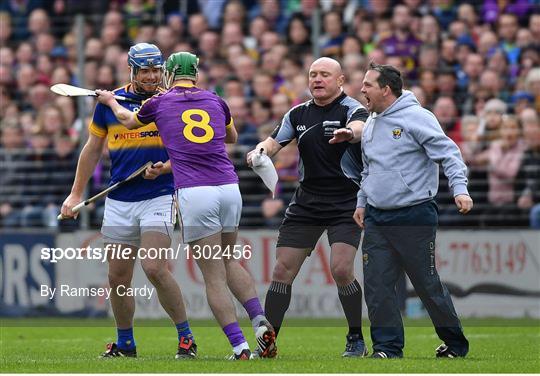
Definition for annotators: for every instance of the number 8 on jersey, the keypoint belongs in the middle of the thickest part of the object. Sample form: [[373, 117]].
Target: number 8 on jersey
[[191, 124]]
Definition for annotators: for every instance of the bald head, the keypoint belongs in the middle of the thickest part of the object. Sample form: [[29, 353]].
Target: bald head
[[325, 80], [328, 64]]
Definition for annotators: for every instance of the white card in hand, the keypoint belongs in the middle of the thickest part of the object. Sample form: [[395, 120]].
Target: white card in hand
[[263, 166]]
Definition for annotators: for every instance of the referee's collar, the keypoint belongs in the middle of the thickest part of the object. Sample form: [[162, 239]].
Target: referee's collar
[[337, 100]]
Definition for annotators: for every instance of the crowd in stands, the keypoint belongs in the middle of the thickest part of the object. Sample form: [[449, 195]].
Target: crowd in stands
[[475, 65]]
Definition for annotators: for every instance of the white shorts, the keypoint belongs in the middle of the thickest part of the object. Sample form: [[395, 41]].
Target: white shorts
[[124, 222], [207, 210]]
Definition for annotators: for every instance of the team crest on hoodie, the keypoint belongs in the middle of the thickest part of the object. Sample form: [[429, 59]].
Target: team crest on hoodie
[[396, 133]]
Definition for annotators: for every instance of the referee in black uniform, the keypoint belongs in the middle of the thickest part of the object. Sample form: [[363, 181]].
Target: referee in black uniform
[[325, 199]]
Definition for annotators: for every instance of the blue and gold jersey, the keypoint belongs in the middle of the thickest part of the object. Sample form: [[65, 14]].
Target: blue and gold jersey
[[130, 149]]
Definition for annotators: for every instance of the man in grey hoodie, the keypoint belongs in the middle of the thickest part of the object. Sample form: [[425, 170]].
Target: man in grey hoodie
[[402, 147]]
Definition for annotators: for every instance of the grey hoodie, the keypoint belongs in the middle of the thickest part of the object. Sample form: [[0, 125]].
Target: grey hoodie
[[401, 150]]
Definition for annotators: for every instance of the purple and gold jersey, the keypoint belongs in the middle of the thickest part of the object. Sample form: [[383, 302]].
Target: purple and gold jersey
[[129, 150], [192, 123]]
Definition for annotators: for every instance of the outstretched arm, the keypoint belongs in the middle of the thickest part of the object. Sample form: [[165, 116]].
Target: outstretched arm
[[352, 133], [124, 116]]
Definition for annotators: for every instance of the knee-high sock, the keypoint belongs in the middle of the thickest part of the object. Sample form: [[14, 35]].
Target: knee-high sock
[[351, 301], [277, 302]]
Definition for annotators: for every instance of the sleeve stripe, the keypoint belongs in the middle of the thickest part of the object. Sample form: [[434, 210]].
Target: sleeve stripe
[[139, 121], [96, 130], [230, 125], [354, 108], [284, 133]]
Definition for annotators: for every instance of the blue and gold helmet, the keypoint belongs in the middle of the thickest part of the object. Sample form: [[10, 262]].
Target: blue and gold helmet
[[144, 56]]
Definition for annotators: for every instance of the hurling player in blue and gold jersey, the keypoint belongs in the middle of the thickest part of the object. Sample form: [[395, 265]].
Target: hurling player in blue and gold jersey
[[140, 213]]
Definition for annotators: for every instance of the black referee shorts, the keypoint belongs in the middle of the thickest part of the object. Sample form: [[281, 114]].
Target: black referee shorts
[[308, 215]]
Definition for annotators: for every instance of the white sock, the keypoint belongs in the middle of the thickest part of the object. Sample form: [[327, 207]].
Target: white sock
[[256, 320], [238, 349]]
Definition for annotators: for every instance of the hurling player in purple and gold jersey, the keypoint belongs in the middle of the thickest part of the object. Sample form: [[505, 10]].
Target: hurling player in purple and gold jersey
[[139, 213], [194, 125]]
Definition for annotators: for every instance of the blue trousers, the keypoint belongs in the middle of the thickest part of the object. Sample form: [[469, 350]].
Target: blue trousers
[[404, 239], [535, 216]]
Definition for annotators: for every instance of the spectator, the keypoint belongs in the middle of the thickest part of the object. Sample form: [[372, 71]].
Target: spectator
[[106, 77], [298, 36], [136, 12], [11, 157], [467, 14], [448, 54], [504, 160], [231, 34], [524, 38], [257, 27], [420, 95], [498, 63], [520, 101], [268, 40], [233, 87], [38, 22], [494, 84], [245, 69], [24, 54], [38, 96], [271, 10], [365, 31], [333, 37], [351, 46], [112, 53], [492, 118], [528, 181], [44, 43], [212, 11], [429, 30], [175, 21], [263, 85], [446, 112], [61, 75], [247, 132], [62, 167], [37, 189], [402, 42], [487, 43], [534, 26], [532, 85], [507, 30], [428, 83], [148, 31], [166, 40], [51, 121], [197, 25], [261, 111], [353, 86], [209, 45], [280, 105], [472, 69], [234, 12]]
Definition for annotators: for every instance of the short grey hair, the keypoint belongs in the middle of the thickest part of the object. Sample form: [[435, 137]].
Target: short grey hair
[[496, 105]]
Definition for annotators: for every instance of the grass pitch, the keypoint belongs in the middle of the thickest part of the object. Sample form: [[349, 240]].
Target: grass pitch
[[72, 346]]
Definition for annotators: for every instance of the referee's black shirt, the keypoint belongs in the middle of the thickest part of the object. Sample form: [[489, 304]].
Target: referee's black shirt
[[320, 162]]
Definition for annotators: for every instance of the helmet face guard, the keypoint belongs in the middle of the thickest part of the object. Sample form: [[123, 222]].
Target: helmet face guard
[[180, 65], [144, 56]]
